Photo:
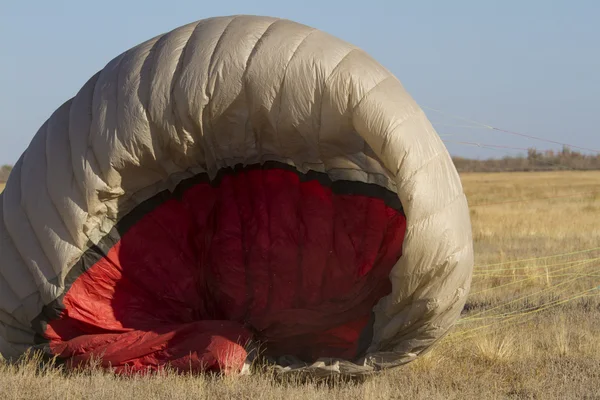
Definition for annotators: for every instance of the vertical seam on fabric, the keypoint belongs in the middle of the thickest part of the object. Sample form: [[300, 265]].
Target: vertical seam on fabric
[[24, 263], [269, 252], [416, 170], [279, 92], [437, 211], [176, 76], [331, 247], [301, 228], [325, 90], [210, 66], [78, 183], [39, 244], [60, 217], [358, 105], [244, 77], [370, 91], [9, 233], [1, 270], [28, 222], [219, 41], [352, 50], [361, 254], [150, 60], [89, 145], [181, 59], [365, 157], [248, 286]]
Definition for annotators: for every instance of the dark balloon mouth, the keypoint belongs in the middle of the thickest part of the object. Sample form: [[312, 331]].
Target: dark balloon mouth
[[262, 254]]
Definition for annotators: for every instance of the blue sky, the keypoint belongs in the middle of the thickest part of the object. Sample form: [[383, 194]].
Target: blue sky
[[527, 66]]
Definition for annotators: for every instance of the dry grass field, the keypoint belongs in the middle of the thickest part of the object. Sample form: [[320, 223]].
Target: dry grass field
[[530, 330]]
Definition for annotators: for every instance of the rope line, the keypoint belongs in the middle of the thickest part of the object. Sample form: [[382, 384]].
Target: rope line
[[568, 273], [542, 258], [457, 126], [526, 279], [484, 272], [483, 145], [490, 127], [524, 314], [535, 199], [553, 287]]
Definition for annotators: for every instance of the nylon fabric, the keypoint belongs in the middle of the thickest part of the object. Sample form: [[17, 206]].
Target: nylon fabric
[[218, 93], [262, 255]]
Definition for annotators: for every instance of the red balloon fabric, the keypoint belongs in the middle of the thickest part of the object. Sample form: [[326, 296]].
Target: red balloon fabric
[[261, 255]]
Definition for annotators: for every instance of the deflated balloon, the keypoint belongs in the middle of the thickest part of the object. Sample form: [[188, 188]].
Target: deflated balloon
[[238, 184]]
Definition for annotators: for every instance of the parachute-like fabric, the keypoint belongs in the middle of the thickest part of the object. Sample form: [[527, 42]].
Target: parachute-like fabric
[[240, 182]]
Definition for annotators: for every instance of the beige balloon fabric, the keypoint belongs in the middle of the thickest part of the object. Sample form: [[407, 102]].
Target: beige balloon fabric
[[216, 94]]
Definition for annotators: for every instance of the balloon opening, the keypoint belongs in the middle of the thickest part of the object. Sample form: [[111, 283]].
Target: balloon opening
[[293, 261]]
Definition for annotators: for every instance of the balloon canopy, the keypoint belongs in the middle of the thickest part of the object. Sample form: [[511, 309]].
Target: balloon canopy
[[238, 183]]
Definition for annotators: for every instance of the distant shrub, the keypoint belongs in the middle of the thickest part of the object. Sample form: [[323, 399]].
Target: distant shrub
[[4, 172], [549, 160]]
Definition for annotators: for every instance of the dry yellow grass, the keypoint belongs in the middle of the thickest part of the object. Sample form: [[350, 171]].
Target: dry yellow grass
[[531, 329]]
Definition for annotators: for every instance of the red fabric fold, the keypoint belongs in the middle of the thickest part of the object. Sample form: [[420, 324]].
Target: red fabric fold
[[263, 254]]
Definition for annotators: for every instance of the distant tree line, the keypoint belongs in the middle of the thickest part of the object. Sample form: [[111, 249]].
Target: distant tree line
[[548, 160], [4, 172]]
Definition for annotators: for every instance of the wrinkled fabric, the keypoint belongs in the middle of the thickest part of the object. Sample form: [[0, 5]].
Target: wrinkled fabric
[[215, 94], [284, 263]]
